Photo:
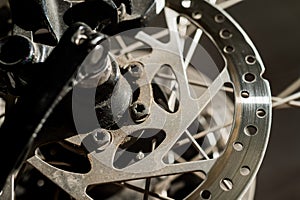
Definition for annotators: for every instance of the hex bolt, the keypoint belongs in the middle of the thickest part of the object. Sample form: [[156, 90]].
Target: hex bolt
[[101, 138], [136, 69], [139, 112]]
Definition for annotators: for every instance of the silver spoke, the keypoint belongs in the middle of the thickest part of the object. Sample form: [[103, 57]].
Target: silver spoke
[[195, 143], [203, 133], [148, 180], [192, 48], [142, 191], [194, 82], [194, 110], [286, 100]]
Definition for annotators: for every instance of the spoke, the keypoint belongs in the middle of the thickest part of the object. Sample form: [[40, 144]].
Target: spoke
[[202, 134], [206, 97], [166, 182], [147, 188], [295, 103], [148, 180], [286, 105], [141, 190], [182, 160], [287, 99], [192, 48], [277, 100], [194, 82], [196, 144]]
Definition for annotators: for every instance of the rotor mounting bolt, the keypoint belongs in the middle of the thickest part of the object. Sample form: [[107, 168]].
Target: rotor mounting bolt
[[102, 139], [139, 112], [136, 69], [140, 155]]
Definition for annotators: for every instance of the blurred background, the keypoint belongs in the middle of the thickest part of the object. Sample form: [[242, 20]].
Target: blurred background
[[273, 26]]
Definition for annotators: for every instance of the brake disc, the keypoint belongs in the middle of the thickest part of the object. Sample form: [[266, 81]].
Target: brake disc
[[222, 137]]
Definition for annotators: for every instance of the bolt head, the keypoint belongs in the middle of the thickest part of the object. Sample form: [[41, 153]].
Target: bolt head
[[140, 156], [135, 69], [101, 138], [139, 111]]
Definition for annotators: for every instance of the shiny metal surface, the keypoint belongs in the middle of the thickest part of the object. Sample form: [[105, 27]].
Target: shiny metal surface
[[227, 175], [245, 110], [226, 170]]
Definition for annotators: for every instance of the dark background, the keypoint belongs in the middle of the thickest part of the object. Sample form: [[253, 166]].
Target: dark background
[[274, 27]]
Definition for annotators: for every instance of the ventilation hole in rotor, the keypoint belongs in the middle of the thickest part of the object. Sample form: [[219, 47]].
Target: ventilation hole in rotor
[[229, 49], [261, 113], [226, 184], [166, 89], [184, 184], [245, 171], [106, 191], [245, 94], [219, 18], [205, 194], [65, 156], [197, 15], [186, 3], [251, 130], [238, 146], [250, 60], [137, 146], [249, 77], [225, 34]]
